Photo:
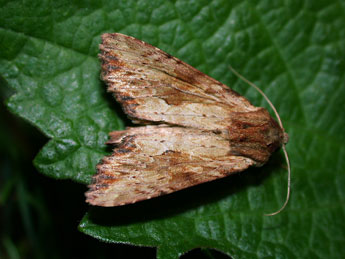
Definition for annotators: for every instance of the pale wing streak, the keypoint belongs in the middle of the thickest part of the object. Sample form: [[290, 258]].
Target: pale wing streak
[[123, 77], [120, 77], [185, 115], [115, 78]]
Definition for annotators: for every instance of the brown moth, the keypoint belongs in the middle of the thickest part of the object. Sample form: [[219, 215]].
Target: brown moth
[[200, 129]]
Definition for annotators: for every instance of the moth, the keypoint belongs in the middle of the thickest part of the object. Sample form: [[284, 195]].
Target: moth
[[193, 129]]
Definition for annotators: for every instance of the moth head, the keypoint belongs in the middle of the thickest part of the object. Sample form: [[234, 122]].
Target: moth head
[[275, 136]]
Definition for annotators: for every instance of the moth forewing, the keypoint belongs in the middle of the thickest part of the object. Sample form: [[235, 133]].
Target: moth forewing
[[201, 129], [152, 160]]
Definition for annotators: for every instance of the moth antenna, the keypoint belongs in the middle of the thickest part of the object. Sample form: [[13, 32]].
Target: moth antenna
[[285, 139], [288, 185]]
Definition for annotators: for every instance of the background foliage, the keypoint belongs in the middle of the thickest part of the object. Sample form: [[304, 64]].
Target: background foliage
[[294, 50]]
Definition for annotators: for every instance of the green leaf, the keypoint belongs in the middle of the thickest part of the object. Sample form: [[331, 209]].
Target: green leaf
[[294, 50]]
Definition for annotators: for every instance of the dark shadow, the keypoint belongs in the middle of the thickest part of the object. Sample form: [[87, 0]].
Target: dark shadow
[[114, 105]]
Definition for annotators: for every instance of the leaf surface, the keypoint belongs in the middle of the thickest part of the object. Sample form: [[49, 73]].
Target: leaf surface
[[294, 51]]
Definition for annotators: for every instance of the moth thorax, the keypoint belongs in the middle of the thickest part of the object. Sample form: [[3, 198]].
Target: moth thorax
[[255, 135]]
